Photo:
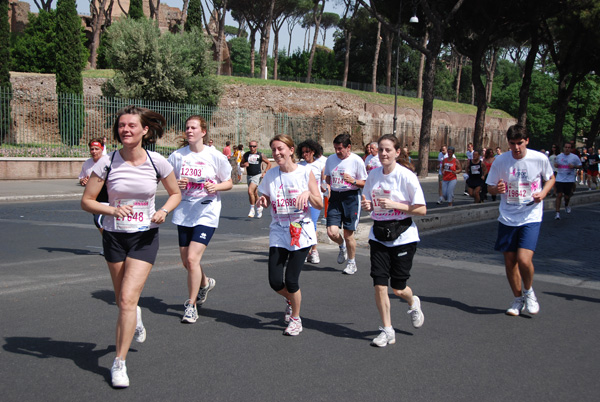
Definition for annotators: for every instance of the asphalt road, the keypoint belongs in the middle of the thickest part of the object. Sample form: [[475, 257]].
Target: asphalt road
[[58, 315]]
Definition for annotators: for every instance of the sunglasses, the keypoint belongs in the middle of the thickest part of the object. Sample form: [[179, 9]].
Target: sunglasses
[[252, 146]]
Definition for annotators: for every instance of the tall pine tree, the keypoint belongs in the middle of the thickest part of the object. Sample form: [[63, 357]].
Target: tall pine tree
[[69, 63], [136, 9], [5, 87], [194, 16]]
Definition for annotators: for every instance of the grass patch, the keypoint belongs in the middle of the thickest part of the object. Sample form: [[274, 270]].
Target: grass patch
[[98, 73], [368, 97]]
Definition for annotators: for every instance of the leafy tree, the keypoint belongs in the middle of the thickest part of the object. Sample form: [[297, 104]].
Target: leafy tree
[[329, 20], [71, 57], [101, 60], [175, 68], [34, 50], [239, 52], [194, 16], [5, 87], [136, 9]]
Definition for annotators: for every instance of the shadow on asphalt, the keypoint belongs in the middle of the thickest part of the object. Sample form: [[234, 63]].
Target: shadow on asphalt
[[156, 306], [570, 297], [75, 251], [446, 301], [81, 353]]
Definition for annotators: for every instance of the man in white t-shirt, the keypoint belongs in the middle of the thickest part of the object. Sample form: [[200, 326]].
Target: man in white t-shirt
[[346, 174], [566, 165], [372, 160], [523, 177]]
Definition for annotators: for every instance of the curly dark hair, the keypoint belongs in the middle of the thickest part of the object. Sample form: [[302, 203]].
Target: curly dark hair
[[312, 145]]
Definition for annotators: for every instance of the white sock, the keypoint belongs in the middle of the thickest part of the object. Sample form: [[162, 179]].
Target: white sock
[[343, 246], [351, 260], [527, 291], [388, 330]]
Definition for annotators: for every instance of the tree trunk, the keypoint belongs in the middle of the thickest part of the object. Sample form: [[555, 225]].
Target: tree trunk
[[480, 101], [389, 41], [565, 91], [252, 52], [427, 113], [184, 15], [313, 49], [346, 59], [376, 58], [594, 130], [489, 72], [265, 38], [221, 36], [526, 83], [458, 75], [421, 67]]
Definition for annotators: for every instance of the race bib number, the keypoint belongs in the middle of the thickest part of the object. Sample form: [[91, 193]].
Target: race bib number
[[253, 159], [196, 181], [475, 169], [376, 195], [518, 192], [285, 203], [138, 220], [337, 180]]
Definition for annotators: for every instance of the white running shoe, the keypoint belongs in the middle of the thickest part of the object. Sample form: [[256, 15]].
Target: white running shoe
[[343, 255], [191, 313], [313, 257], [568, 210], [384, 339], [251, 213], [416, 314], [118, 373], [533, 307], [557, 216], [288, 311], [294, 327], [140, 330], [350, 268], [203, 292], [516, 307], [259, 212]]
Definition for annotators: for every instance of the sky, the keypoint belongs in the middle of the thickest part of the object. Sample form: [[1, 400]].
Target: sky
[[83, 7]]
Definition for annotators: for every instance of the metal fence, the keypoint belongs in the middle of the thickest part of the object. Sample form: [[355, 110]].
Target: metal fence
[[33, 128]]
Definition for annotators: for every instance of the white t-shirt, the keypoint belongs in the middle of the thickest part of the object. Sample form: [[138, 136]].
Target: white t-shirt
[[469, 155], [86, 169], [317, 169], [372, 162], [283, 190], [523, 177], [132, 185], [336, 167], [197, 207], [401, 185], [564, 173]]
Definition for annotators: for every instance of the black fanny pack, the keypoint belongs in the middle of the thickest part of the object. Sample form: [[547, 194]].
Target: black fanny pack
[[390, 230]]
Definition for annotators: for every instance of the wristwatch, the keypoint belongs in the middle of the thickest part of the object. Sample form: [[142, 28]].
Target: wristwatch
[[166, 211]]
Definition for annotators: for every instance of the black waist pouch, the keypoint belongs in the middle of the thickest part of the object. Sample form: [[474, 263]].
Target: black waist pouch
[[390, 230]]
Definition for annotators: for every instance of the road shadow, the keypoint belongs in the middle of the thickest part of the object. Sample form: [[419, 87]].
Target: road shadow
[[312, 267], [448, 302], [75, 251], [571, 297], [155, 305], [83, 354]]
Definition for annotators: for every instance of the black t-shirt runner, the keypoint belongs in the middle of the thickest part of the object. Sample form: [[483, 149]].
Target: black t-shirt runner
[[254, 163]]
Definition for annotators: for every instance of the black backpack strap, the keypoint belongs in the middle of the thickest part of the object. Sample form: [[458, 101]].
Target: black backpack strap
[[154, 166], [109, 167]]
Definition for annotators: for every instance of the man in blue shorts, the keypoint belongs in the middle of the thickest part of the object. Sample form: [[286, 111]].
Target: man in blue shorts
[[523, 177], [346, 174]]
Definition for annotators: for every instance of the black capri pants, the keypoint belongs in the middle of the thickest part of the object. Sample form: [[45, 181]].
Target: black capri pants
[[278, 257], [391, 264]]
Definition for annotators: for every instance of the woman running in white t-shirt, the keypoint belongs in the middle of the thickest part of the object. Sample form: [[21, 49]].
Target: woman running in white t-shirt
[[289, 188], [202, 173], [130, 236]]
